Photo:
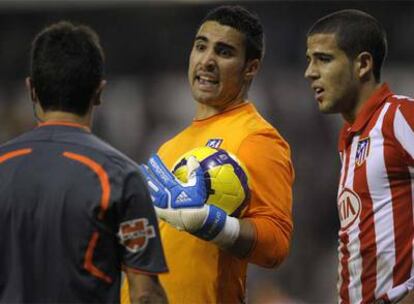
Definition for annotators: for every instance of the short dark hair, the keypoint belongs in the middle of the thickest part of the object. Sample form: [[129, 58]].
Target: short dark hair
[[356, 32], [67, 66], [244, 21]]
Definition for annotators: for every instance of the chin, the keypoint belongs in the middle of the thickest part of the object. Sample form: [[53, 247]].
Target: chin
[[326, 108], [206, 100]]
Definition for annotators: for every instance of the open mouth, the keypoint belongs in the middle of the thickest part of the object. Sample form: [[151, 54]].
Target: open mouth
[[318, 93], [206, 81]]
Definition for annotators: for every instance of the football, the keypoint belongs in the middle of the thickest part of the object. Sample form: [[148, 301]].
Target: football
[[226, 178]]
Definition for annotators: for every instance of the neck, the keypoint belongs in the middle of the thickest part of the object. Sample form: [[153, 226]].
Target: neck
[[204, 111], [51, 116], [364, 93]]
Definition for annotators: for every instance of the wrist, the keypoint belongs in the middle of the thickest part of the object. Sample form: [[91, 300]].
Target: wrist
[[213, 224], [229, 234], [219, 228]]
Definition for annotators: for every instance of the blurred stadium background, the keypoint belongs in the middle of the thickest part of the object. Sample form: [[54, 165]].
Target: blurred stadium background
[[147, 100]]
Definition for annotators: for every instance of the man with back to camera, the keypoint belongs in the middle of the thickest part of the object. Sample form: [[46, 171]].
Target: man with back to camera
[[225, 58], [345, 53], [72, 208]]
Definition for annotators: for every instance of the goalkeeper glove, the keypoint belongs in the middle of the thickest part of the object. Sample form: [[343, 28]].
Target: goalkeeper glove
[[183, 204]]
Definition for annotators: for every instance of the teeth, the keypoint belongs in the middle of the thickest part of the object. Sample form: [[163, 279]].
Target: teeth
[[204, 79]]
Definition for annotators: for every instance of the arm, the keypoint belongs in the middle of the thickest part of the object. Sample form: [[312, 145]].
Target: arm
[[403, 127], [266, 227], [145, 288], [141, 252], [245, 241], [408, 299], [263, 235]]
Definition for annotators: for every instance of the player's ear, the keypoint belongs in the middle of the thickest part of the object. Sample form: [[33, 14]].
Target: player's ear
[[251, 69], [364, 65], [97, 99], [31, 89]]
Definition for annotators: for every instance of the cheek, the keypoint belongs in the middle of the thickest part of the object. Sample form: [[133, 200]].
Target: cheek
[[340, 79], [233, 75], [190, 61], [191, 64]]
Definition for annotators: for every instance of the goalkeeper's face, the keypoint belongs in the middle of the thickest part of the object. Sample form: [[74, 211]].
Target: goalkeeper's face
[[218, 73]]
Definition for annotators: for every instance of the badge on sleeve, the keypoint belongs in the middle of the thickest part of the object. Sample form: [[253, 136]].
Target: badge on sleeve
[[135, 234]]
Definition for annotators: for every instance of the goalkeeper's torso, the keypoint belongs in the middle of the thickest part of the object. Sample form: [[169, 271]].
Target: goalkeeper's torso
[[199, 271]]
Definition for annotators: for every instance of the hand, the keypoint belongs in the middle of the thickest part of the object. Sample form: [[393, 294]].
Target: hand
[[183, 204]]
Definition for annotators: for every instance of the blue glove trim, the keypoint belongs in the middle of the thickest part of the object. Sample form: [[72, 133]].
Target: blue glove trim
[[213, 224], [167, 192], [158, 195], [158, 168]]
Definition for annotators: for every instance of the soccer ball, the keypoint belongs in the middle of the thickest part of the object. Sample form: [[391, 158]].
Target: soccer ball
[[225, 176]]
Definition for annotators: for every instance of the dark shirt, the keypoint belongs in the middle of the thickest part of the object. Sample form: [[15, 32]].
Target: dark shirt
[[73, 211]]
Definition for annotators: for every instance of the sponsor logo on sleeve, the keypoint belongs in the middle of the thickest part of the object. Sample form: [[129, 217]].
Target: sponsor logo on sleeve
[[349, 208], [135, 234], [214, 143], [362, 151]]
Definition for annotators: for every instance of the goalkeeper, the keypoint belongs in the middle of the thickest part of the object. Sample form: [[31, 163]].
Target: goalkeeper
[[209, 252]]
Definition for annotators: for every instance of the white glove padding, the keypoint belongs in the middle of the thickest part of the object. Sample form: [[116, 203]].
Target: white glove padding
[[188, 219]]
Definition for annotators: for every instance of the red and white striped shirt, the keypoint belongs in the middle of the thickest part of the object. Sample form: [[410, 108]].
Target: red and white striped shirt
[[375, 201]]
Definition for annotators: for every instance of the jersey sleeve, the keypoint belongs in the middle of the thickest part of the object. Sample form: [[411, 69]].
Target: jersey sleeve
[[267, 158], [404, 129], [138, 232]]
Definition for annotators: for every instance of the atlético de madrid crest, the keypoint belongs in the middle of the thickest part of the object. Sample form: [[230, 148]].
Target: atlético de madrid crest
[[214, 143], [362, 151]]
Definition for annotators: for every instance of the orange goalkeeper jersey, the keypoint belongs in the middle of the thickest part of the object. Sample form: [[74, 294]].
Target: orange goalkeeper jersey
[[199, 271]]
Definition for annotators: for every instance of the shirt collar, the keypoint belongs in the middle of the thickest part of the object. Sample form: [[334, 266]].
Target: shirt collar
[[247, 105], [368, 109], [376, 100], [64, 123]]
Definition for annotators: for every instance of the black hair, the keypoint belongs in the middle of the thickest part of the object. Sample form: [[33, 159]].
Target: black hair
[[67, 66], [356, 32], [244, 21]]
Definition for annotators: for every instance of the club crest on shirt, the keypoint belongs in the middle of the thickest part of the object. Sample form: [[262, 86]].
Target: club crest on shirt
[[349, 208], [362, 151], [214, 143], [135, 234]]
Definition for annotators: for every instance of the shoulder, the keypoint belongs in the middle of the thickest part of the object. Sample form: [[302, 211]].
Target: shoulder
[[404, 105], [80, 145], [109, 156], [252, 120], [250, 126], [399, 112], [265, 146], [261, 134]]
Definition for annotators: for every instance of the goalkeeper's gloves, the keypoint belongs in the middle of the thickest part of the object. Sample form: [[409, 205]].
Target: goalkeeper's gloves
[[183, 204]]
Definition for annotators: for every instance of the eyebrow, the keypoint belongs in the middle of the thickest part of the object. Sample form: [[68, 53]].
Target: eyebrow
[[203, 38], [218, 44], [319, 54]]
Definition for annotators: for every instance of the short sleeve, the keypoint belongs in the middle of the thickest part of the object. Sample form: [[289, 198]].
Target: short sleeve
[[404, 129], [138, 232]]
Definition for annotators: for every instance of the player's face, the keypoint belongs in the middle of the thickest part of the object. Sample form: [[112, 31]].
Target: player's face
[[332, 74], [217, 65]]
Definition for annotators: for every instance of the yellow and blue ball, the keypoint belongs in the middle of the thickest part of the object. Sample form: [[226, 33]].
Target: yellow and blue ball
[[226, 178]]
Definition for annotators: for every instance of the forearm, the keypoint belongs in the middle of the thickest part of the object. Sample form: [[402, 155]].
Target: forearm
[[155, 296], [145, 288], [245, 240], [271, 248], [408, 299], [261, 241]]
